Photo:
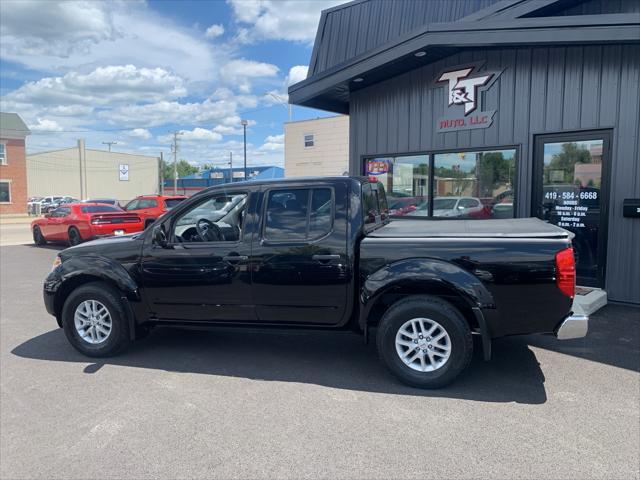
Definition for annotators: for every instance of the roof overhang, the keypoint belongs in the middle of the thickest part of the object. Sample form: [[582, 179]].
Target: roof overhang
[[330, 90]]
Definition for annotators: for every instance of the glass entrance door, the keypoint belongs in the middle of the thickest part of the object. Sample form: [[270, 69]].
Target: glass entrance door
[[570, 190]]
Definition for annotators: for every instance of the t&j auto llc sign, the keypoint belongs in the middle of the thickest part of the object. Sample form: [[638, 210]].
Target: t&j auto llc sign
[[463, 86]]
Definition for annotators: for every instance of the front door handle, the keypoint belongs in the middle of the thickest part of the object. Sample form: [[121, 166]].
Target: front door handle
[[325, 258], [235, 258]]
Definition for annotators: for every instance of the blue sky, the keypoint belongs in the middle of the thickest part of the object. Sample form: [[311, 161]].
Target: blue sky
[[132, 71]]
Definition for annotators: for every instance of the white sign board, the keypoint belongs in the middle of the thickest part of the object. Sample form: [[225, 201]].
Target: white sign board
[[123, 170]]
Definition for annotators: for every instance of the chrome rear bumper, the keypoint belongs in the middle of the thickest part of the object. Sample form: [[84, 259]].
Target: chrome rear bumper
[[574, 326]]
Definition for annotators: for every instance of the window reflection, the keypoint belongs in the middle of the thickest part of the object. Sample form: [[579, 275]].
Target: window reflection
[[298, 214], [474, 185], [406, 181]]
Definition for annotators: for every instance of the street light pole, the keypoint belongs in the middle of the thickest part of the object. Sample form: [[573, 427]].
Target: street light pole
[[244, 126]]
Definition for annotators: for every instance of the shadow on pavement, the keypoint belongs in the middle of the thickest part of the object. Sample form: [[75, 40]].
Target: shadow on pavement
[[613, 339], [328, 359], [48, 246]]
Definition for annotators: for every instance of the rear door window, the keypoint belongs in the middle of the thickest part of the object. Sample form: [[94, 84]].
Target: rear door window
[[298, 214], [374, 203]]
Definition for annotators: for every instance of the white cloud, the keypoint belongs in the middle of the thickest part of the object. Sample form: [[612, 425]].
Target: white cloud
[[172, 112], [293, 20], [199, 135], [214, 31], [46, 126], [102, 86], [141, 133], [52, 36], [241, 72], [54, 28], [273, 143], [297, 74]]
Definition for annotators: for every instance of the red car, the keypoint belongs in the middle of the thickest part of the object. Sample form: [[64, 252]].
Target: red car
[[78, 222], [150, 207]]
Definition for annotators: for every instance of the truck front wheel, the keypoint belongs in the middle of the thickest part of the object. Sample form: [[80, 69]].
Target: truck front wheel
[[95, 321], [424, 341]]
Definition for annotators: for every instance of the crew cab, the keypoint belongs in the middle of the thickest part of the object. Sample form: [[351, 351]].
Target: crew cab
[[322, 253], [150, 207]]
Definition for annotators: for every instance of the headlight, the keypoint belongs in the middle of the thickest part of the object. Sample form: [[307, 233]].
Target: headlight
[[56, 262]]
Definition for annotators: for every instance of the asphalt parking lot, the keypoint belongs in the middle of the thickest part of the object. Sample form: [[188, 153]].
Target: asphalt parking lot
[[240, 404]]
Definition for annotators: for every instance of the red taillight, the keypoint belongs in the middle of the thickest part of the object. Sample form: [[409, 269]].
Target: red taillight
[[566, 272]]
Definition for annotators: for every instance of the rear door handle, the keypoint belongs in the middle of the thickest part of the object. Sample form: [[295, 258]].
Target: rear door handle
[[325, 258], [235, 258]]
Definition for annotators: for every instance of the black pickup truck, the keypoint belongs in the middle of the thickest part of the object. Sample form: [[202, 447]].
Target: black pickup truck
[[322, 253]]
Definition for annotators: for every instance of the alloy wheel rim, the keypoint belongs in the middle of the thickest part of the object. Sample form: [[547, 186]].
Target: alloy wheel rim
[[92, 321], [423, 344]]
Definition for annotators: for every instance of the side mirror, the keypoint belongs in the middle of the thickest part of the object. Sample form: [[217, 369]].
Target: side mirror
[[158, 236]]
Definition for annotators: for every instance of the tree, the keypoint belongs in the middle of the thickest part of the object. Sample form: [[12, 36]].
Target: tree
[[184, 169], [564, 162], [493, 171]]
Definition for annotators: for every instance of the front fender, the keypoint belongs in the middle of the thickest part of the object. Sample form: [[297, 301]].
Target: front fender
[[423, 270], [75, 269]]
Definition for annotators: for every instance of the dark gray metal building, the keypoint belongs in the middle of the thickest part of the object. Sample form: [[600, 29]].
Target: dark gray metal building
[[495, 108]]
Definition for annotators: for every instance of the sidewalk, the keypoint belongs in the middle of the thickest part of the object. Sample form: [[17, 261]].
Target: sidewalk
[[16, 220]]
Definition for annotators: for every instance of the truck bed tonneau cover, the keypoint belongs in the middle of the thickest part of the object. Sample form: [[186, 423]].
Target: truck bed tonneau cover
[[507, 228]]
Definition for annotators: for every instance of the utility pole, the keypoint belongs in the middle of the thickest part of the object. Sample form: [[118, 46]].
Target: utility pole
[[244, 126], [174, 148], [231, 165], [109, 144], [161, 162]]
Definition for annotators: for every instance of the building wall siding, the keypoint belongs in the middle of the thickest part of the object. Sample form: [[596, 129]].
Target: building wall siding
[[541, 90], [362, 26], [330, 154], [58, 173]]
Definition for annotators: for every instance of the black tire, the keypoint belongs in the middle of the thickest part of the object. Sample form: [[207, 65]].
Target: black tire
[[74, 236], [38, 238], [440, 311], [117, 339]]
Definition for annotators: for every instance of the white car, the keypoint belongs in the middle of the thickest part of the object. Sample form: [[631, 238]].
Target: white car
[[38, 205]]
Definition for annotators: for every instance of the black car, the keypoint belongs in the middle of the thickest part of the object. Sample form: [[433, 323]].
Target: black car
[[323, 254]]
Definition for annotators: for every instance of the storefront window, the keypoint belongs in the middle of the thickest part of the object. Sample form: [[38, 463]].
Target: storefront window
[[406, 181], [474, 185]]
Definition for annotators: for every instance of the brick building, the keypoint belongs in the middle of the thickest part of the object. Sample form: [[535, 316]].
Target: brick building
[[13, 165]]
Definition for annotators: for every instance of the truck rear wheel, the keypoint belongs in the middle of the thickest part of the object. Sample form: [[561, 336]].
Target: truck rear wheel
[[95, 321], [424, 341]]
